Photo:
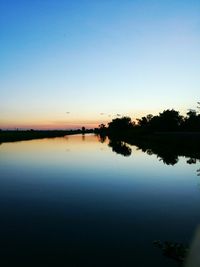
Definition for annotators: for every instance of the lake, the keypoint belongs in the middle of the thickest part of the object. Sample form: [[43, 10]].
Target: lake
[[77, 201]]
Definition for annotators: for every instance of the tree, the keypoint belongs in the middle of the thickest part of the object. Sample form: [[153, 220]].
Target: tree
[[102, 126], [83, 130], [192, 113], [145, 121], [168, 120], [192, 121], [102, 129], [120, 124]]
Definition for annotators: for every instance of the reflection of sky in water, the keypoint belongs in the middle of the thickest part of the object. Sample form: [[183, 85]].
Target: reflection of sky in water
[[84, 178]]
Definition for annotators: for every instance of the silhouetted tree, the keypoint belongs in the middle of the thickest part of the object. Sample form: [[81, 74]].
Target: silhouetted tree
[[145, 121], [168, 120], [120, 124], [83, 130], [102, 130], [102, 126], [191, 113], [192, 121]]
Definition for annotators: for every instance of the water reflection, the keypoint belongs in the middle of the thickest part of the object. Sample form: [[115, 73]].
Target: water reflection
[[102, 138], [91, 207], [120, 148], [167, 153]]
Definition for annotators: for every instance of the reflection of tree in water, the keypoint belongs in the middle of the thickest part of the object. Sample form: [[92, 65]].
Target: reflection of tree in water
[[169, 159], [167, 152], [192, 161], [170, 155], [120, 147], [166, 156], [102, 138]]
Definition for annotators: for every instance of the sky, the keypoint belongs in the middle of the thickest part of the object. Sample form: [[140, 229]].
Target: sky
[[68, 64]]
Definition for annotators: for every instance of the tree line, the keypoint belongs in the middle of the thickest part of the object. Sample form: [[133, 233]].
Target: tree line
[[169, 120]]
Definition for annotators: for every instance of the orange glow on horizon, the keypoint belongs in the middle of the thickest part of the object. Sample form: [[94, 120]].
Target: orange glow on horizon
[[68, 122], [51, 126]]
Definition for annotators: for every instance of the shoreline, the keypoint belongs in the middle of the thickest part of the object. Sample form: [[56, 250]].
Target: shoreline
[[14, 136]]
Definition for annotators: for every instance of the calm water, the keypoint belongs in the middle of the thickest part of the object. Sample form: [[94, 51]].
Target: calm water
[[74, 202]]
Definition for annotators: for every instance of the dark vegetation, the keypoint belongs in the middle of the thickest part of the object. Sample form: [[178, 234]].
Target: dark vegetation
[[166, 121], [167, 135], [18, 135], [167, 148]]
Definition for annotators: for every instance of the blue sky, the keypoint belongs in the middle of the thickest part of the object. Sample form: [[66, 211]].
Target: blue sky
[[92, 57]]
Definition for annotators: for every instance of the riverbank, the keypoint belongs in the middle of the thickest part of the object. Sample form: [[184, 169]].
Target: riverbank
[[175, 137], [13, 136]]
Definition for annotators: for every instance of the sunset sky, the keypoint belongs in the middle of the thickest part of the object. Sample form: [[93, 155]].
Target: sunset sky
[[67, 64]]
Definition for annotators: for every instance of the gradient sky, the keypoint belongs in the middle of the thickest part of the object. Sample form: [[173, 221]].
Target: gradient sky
[[131, 57]]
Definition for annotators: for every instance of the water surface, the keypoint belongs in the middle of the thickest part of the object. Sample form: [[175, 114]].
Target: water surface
[[74, 201]]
